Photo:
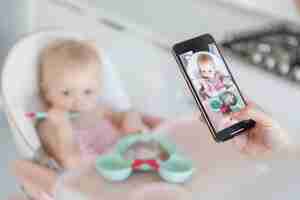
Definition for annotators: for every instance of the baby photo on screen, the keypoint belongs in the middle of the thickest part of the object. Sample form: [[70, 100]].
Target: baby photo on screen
[[214, 85]]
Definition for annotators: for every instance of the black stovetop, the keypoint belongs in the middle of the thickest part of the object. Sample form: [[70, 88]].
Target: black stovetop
[[275, 49]]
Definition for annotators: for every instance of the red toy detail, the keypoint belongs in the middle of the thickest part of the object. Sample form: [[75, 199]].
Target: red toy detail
[[30, 114], [225, 109], [138, 163]]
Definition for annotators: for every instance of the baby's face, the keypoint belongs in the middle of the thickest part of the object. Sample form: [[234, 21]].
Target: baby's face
[[207, 70], [74, 89]]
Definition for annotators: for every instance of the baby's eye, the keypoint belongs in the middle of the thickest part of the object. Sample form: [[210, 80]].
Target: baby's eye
[[209, 70], [88, 91], [66, 92]]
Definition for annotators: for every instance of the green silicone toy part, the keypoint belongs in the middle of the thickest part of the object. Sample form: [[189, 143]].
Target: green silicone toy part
[[215, 104], [114, 167], [176, 170], [238, 106]]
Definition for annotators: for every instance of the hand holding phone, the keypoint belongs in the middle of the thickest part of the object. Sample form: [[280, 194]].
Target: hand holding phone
[[266, 136], [212, 85]]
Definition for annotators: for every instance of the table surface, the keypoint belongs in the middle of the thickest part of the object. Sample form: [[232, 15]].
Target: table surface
[[221, 173]]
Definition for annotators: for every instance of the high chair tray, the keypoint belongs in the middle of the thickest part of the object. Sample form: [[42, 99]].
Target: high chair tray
[[222, 173]]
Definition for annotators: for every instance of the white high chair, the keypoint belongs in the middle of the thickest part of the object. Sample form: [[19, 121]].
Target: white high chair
[[20, 86]]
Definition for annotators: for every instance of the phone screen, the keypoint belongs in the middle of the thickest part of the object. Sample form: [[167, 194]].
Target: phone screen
[[213, 83]]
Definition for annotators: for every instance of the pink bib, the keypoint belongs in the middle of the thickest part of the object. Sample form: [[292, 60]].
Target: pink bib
[[96, 140]]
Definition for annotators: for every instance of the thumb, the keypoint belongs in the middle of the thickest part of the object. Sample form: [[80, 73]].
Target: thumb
[[252, 112], [240, 141]]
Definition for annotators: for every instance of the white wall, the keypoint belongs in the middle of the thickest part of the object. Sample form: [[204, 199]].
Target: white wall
[[52, 15], [15, 20], [177, 20]]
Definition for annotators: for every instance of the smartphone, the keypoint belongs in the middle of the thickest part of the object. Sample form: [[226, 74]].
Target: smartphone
[[214, 89]]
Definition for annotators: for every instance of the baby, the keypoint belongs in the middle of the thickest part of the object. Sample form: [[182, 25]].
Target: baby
[[70, 77], [212, 81]]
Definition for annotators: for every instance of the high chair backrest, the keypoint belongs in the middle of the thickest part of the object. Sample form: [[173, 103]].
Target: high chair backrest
[[20, 87]]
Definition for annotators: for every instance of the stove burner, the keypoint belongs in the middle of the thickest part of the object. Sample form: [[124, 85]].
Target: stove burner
[[275, 49]]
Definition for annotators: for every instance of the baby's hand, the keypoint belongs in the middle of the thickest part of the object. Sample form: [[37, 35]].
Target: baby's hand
[[57, 137], [133, 123]]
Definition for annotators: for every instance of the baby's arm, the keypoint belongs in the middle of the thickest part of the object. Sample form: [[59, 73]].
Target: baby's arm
[[132, 122], [202, 92], [57, 139], [128, 121]]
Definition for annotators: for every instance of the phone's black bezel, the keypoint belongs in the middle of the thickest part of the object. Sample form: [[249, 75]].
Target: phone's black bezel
[[193, 45]]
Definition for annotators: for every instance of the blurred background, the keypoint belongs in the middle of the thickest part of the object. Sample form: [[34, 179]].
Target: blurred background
[[261, 40]]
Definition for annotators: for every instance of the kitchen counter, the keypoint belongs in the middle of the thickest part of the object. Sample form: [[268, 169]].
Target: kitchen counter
[[284, 10]]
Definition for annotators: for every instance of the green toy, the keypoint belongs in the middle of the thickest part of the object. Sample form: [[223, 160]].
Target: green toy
[[226, 102], [114, 167]]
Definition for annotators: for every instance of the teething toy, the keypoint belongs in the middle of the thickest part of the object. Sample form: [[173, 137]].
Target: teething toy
[[226, 102], [43, 115], [114, 167]]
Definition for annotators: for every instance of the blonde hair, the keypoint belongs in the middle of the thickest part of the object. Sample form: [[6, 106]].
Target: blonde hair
[[204, 58], [68, 53]]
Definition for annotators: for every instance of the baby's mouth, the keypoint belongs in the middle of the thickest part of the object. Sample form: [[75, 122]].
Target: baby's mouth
[[77, 110], [74, 111], [74, 115]]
